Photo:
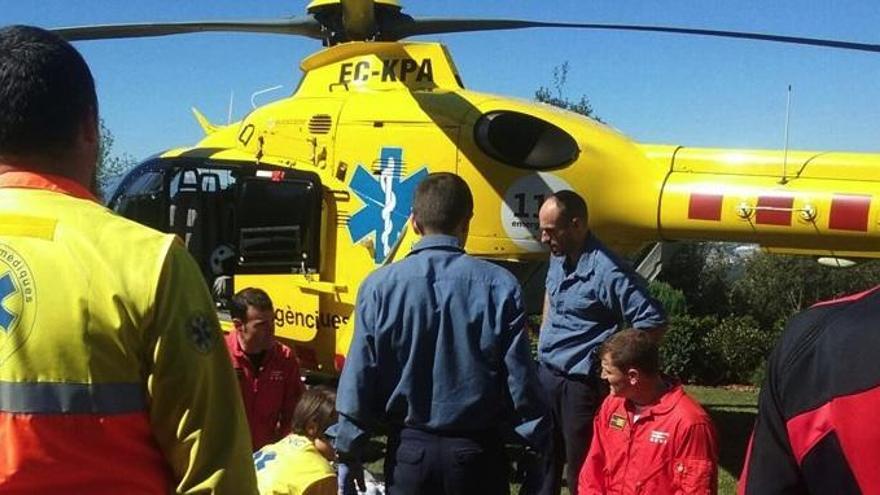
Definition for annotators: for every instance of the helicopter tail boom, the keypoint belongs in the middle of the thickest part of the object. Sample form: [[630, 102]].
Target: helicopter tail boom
[[811, 203]]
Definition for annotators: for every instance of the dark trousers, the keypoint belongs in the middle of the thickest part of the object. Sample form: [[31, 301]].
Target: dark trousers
[[573, 403], [423, 463]]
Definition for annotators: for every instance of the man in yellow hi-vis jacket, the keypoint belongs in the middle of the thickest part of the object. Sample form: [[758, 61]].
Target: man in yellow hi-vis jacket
[[113, 374]]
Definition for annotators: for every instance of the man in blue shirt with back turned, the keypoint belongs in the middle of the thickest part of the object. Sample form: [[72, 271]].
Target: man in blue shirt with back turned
[[590, 295], [439, 358]]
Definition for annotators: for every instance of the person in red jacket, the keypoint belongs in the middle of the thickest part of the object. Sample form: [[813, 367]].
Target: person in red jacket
[[268, 371], [649, 436]]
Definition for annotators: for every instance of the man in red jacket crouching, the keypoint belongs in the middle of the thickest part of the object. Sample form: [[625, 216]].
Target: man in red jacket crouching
[[268, 371], [649, 436]]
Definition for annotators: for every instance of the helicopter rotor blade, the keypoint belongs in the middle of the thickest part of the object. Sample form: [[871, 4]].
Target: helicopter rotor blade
[[301, 26], [421, 26], [360, 23]]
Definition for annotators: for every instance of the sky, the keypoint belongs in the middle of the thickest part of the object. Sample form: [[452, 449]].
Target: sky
[[655, 88]]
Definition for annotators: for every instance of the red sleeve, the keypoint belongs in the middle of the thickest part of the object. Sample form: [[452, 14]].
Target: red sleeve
[[695, 467], [591, 480], [292, 395]]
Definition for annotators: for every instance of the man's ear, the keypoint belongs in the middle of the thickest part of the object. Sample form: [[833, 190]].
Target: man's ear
[[579, 224], [465, 226], [91, 128], [415, 226], [633, 376], [237, 323]]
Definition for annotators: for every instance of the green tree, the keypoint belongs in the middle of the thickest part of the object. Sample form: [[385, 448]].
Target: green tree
[[767, 287], [774, 287], [557, 97], [738, 304], [110, 165], [703, 271]]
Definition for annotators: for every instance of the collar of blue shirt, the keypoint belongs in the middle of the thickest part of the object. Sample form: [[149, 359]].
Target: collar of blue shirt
[[437, 241], [586, 261]]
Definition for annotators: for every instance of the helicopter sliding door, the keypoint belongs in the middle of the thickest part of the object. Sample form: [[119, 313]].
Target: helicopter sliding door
[[385, 162], [278, 229], [381, 162], [277, 224]]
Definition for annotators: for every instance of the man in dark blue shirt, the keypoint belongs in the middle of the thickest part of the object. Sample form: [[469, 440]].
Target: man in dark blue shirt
[[590, 294], [441, 359]]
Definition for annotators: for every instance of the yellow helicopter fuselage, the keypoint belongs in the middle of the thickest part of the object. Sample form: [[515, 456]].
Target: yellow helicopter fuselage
[[372, 119]]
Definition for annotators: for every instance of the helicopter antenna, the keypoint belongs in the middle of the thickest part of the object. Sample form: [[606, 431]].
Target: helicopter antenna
[[785, 148], [257, 93], [229, 112]]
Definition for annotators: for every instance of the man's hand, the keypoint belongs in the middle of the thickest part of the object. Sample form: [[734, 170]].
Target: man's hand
[[350, 476]]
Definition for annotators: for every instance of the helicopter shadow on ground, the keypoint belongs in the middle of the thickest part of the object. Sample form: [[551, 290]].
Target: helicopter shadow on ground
[[734, 426]]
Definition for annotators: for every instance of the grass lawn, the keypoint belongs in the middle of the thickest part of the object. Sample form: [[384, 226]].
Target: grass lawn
[[732, 408]]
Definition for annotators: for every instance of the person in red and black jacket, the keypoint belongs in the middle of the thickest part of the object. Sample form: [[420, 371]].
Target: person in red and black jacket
[[816, 430]]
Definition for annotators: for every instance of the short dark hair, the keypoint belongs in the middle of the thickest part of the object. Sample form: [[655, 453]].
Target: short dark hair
[[571, 205], [632, 348], [46, 92], [250, 296], [442, 201], [317, 405]]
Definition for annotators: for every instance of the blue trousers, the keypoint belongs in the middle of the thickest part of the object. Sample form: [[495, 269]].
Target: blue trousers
[[427, 463]]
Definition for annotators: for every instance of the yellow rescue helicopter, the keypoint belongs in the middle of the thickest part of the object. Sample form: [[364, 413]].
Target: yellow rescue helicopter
[[307, 195]]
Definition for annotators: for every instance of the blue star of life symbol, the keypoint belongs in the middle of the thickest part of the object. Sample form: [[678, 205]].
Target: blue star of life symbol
[[262, 458], [387, 198], [7, 288]]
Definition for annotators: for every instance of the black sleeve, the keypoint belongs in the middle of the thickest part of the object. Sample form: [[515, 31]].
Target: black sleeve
[[770, 466]]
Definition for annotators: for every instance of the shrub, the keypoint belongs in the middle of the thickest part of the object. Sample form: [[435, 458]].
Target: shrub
[[682, 352], [758, 375], [738, 347], [672, 299], [533, 328]]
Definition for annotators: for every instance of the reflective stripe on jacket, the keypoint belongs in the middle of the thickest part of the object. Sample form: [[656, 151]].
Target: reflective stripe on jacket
[[113, 376]]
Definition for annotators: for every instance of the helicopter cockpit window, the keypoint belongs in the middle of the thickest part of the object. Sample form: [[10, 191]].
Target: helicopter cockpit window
[[524, 141], [201, 213], [142, 200], [279, 224]]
